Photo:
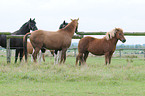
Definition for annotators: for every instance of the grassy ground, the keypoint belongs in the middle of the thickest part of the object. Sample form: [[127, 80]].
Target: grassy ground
[[124, 77]]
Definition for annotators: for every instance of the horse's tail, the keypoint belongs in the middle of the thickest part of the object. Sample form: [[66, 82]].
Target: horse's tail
[[25, 45], [77, 58]]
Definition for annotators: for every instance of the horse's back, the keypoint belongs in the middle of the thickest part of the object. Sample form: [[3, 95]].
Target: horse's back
[[50, 39], [91, 44], [84, 43]]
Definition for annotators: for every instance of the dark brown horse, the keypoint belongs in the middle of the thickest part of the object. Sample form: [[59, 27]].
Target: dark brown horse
[[105, 46], [59, 40]]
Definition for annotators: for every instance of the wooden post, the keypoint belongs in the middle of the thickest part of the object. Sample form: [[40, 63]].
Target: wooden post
[[144, 54], [8, 51], [74, 52]]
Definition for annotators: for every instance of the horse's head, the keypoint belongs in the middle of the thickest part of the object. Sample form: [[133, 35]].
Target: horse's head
[[65, 24], [76, 22], [32, 24], [119, 34]]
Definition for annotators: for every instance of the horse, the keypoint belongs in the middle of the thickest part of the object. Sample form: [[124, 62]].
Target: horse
[[105, 46], [16, 43], [52, 40], [57, 54]]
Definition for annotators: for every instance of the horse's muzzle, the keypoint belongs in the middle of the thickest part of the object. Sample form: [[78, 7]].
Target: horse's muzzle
[[34, 28], [124, 40]]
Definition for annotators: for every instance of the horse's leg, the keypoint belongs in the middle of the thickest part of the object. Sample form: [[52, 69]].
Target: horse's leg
[[55, 57], [32, 55], [16, 55], [35, 53], [42, 54], [21, 54], [64, 57], [85, 56], [106, 58], [52, 52], [58, 57], [79, 58], [39, 56], [63, 54], [110, 58], [31, 58]]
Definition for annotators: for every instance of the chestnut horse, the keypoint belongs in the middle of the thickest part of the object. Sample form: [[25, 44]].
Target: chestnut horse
[[57, 54], [105, 46], [59, 40], [30, 49]]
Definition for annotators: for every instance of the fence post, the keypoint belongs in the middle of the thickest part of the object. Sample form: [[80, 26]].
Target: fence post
[[144, 54], [74, 52], [8, 51]]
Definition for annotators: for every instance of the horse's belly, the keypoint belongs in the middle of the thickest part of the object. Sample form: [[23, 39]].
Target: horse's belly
[[97, 53], [53, 46]]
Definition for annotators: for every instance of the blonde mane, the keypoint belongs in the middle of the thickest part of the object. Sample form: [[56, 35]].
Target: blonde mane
[[111, 34]]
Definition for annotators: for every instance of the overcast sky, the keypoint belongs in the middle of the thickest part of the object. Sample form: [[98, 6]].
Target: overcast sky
[[95, 15]]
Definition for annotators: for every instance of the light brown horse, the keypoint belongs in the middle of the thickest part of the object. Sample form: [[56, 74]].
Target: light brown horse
[[59, 40], [105, 46]]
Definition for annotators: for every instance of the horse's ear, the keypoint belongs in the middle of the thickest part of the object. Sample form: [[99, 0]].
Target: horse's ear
[[34, 19], [116, 29], [64, 22], [71, 19], [77, 19], [30, 20]]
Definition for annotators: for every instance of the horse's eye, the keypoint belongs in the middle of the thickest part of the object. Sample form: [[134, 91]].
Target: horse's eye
[[119, 33]]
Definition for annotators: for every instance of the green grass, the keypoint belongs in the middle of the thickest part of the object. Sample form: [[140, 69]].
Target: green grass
[[124, 77]]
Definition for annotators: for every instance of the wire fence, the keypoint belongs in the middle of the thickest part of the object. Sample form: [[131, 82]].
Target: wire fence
[[72, 52]]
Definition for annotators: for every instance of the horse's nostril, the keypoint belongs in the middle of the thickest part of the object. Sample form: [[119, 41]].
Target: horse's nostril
[[124, 40]]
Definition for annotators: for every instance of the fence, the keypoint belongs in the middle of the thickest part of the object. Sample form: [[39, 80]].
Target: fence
[[121, 49], [118, 49], [78, 36]]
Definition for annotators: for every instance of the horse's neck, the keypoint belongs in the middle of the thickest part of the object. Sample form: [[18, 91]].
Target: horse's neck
[[3, 41], [23, 30], [70, 29], [114, 40]]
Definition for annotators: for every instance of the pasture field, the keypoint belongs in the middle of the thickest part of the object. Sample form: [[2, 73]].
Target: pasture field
[[124, 77]]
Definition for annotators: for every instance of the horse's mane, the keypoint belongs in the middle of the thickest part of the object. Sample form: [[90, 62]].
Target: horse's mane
[[18, 31], [23, 25], [66, 27], [111, 34]]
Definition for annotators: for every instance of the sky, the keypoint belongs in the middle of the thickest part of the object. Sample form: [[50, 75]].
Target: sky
[[94, 15]]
